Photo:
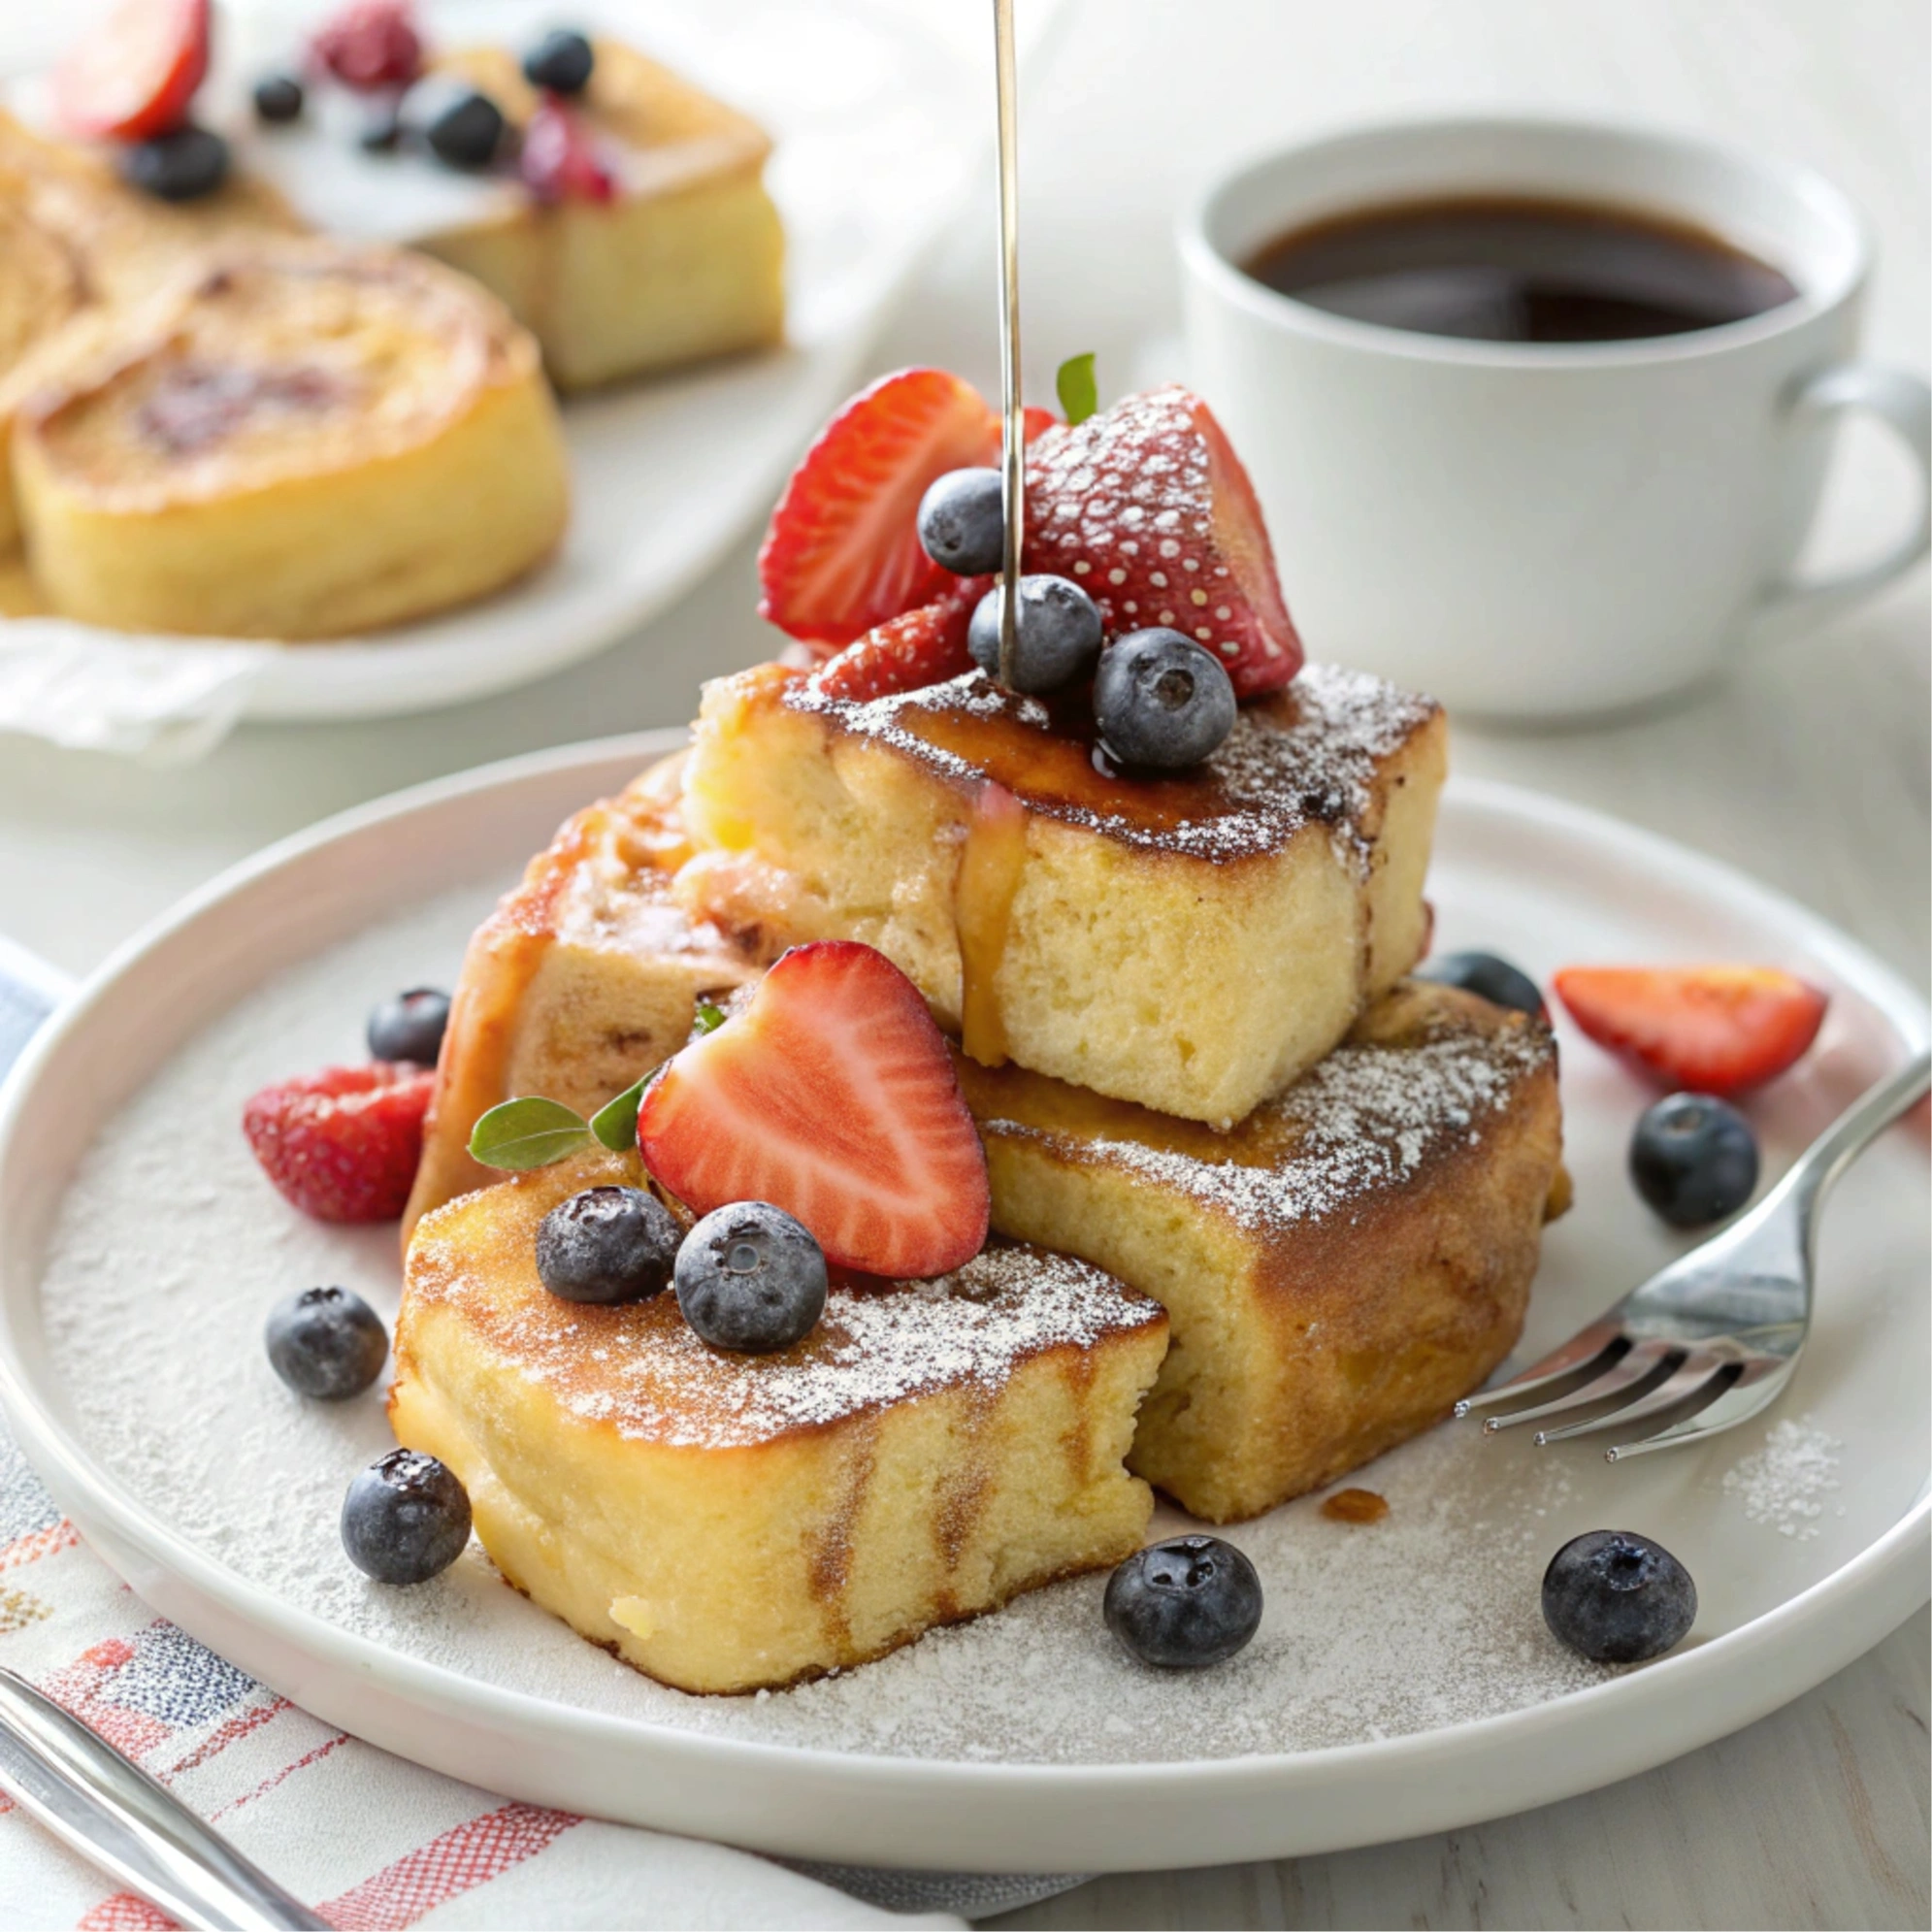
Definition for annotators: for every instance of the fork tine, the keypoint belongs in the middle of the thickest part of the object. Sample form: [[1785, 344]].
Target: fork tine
[[1579, 1352], [1684, 1383], [1762, 1380], [1634, 1366]]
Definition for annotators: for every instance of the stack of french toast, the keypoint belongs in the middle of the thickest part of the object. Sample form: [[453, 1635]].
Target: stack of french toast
[[278, 348], [1263, 1205]]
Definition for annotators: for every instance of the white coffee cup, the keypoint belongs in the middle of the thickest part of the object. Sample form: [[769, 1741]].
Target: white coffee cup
[[1542, 531]]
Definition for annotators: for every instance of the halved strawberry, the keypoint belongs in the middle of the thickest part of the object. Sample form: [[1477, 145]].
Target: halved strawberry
[[907, 652], [842, 552], [833, 1096], [343, 1144], [132, 76], [1711, 1028], [1147, 508]]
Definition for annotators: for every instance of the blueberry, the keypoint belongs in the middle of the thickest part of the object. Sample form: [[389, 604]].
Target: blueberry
[[1693, 1158], [962, 525], [405, 1518], [181, 166], [607, 1244], [1616, 1597], [1161, 701], [1058, 633], [1489, 978], [410, 1026], [560, 61], [326, 1342], [1184, 1604], [279, 97], [750, 1277], [461, 127]]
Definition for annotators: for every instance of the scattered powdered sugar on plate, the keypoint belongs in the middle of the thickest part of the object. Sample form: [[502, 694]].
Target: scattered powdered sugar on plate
[[169, 1248], [1787, 1483]]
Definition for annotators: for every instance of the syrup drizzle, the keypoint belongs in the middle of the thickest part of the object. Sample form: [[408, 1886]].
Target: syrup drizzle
[[989, 877]]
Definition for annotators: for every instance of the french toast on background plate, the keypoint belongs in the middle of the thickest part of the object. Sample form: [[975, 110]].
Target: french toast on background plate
[[677, 257], [312, 472], [301, 439]]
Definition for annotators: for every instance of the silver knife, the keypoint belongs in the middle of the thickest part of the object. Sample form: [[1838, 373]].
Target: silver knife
[[117, 1817]]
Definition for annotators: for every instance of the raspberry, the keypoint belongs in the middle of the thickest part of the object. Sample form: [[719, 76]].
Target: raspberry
[[559, 160], [371, 45], [343, 1144]]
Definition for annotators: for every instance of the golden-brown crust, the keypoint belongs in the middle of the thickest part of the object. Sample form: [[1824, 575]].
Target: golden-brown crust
[[276, 357], [1341, 1268], [294, 438], [638, 1373], [1306, 762], [619, 849]]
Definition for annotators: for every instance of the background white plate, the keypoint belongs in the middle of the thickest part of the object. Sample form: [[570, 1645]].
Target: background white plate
[[1401, 1682], [879, 124]]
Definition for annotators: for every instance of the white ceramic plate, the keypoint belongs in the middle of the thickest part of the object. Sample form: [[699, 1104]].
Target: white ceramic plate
[[1402, 1683], [878, 124]]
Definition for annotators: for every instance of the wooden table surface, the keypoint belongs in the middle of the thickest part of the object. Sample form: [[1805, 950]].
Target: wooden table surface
[[1808, 767]]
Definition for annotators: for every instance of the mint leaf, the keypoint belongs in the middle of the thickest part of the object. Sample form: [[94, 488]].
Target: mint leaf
[[1079, 394], [615, 1122], [708, 1019], [525, 1133]]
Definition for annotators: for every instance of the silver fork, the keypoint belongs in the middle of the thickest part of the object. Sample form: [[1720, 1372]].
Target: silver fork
[[1713, 1338]]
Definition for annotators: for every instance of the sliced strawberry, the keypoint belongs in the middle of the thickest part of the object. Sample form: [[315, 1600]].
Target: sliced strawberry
[[132, 76], [842, 553], [833, 1096], [1147, 508], [1712, 1029], [343, 1144], [906, 653]]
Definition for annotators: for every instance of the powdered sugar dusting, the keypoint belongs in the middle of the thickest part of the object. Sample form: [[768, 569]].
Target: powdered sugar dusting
[[1363, 1122], [1127, 501], [1787, 1485], [644, 1371], [1309, 756]]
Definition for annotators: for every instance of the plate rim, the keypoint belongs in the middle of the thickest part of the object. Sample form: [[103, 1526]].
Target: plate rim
[[1842, 1614]]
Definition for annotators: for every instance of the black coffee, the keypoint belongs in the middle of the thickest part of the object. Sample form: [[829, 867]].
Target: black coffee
[[1519, 270]]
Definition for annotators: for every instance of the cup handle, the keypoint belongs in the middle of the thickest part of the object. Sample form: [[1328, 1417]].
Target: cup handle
[[1896, 397]]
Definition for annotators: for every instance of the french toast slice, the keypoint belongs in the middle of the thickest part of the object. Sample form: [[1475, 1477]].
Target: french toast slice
[[300, 439], [683, 261], [75, 244], [1340, 1268], [729, 1522], [1192, 942], [586, 976]]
